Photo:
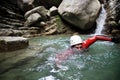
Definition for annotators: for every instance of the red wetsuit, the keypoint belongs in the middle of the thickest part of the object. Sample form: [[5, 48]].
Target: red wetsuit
[[93, 39]]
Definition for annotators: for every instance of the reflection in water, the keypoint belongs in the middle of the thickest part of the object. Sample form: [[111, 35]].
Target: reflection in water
[[37, 62]]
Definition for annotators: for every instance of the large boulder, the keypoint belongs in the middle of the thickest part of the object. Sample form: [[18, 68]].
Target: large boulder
[[13, 43], [39, 13], [40, 10], [32, 19], [80, 13]]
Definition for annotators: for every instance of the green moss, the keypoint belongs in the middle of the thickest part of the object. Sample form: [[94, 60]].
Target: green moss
[[60, 25], [59, 21]]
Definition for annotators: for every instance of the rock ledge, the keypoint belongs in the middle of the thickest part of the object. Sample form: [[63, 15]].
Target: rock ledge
[[12, 43]]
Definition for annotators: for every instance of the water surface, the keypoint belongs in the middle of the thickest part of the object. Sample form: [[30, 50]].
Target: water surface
[[100, 62]]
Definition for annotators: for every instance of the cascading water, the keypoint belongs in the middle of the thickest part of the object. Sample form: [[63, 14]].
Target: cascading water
[[100, 21]]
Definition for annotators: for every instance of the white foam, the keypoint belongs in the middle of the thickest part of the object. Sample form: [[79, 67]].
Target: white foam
[[48, 78]]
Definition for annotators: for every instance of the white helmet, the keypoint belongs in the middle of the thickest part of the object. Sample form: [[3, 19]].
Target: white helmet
[[75, 39]]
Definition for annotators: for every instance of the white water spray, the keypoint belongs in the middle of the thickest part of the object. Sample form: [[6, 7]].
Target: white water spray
[[100, 21]]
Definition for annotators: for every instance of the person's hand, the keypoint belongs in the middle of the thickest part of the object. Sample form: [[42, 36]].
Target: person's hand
[[116, 39]]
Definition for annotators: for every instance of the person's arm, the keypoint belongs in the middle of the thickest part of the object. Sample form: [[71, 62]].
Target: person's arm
[[93, 39]]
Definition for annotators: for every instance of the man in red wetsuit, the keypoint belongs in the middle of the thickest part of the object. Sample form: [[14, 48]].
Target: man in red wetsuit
[[77, 45], [76, 41]]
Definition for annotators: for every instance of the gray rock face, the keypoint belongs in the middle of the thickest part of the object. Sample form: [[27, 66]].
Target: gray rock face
[[26, 5], [40, 10], [32, 19], [113, 17], [80, 13], [12, 43], [37, 14]]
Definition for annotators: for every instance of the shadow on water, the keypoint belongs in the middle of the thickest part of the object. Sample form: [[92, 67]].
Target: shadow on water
[[100, 62]]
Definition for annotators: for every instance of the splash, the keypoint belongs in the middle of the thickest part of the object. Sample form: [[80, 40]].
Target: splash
[[48, 78]]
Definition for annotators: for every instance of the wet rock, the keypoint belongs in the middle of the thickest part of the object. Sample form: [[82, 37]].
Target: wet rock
[[32, 31], [25, 5], [23, 28], [115, 32], [41, 10], [112, 24], [16, 33], [5, 26], [32, 19], [5, 32], [53, 11], [119, 22], [112, 21], [80, 13], [33, 28], [10, 32], [37, 14], [40, 24], [12, 43], [50, 30]]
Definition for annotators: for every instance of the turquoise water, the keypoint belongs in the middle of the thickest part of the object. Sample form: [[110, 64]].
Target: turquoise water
[[37, 62]]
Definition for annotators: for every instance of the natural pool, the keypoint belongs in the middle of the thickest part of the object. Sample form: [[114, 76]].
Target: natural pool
[[100, 62]]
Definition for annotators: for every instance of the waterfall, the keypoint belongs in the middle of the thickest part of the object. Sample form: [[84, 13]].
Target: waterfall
[[100, 21]]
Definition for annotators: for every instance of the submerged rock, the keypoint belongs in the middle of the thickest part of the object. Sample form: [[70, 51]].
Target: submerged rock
[[12, 43]]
